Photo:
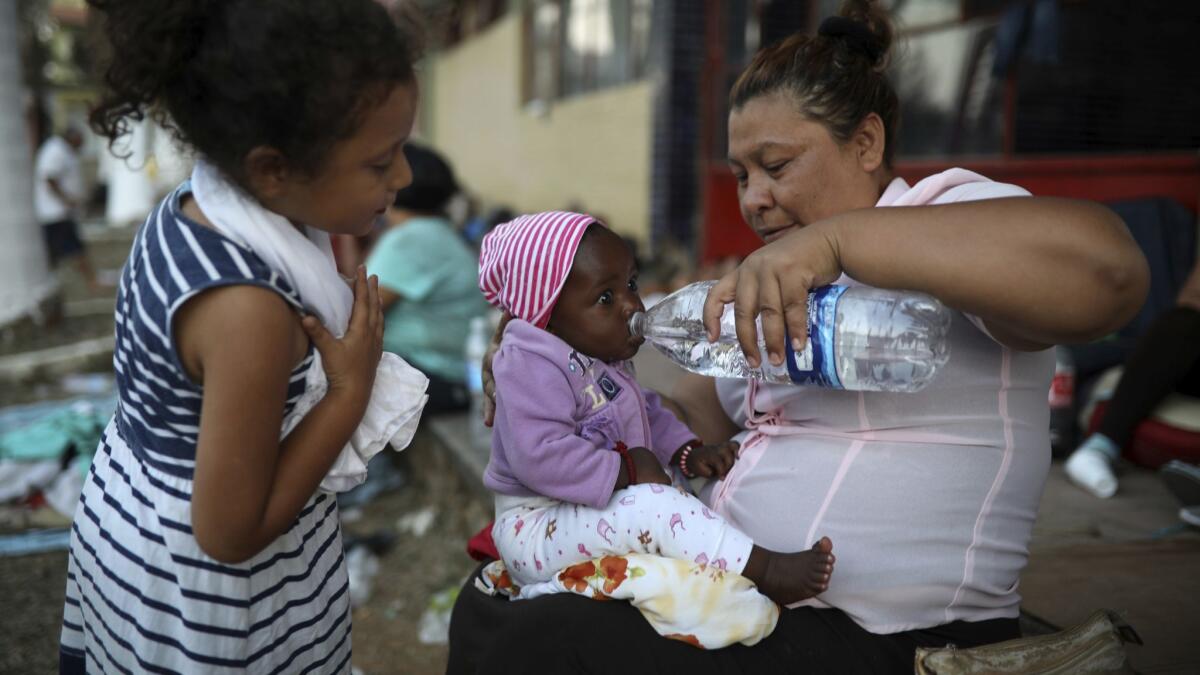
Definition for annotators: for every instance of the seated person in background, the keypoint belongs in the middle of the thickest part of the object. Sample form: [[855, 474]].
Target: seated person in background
[[566, 399], [427, 281], [1166, 360]]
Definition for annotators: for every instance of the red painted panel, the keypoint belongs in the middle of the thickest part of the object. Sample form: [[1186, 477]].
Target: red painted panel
[[1104, 179], [725, 232]]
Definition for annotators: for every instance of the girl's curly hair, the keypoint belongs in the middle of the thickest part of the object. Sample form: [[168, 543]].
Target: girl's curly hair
[[229, 75]]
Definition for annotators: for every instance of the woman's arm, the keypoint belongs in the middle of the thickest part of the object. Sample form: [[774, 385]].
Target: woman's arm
[[1038, 271], [248, 486]]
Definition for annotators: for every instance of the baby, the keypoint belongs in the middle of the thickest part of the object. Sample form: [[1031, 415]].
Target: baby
[[581, 454]]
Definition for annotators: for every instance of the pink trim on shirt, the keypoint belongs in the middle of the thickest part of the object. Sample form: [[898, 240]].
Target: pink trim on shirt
[[1002, 473], [843, 469]]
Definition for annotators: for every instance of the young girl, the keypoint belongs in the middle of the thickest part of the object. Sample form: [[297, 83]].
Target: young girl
[[578, 447], [201, 542]]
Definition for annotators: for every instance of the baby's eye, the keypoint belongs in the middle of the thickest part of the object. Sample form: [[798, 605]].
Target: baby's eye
[[633, 286], [606, 298]]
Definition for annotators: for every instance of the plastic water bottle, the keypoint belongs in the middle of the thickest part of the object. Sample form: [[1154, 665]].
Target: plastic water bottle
[[476, 347], [1062, 403], [859, 338]]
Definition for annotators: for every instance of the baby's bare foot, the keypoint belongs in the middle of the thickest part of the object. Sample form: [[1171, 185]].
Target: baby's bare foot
[[792, 577]]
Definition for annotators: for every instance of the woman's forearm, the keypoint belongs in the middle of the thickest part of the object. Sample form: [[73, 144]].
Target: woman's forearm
[[1038, 271]]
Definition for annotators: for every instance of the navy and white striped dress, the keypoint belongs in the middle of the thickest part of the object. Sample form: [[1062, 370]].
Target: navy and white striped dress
[[141, 595]]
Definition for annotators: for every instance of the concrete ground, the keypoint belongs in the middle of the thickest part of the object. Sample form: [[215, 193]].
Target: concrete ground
[[1129, 553]]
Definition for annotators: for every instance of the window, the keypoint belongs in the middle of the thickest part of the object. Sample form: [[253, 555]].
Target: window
[[577, 46], [990, 77]]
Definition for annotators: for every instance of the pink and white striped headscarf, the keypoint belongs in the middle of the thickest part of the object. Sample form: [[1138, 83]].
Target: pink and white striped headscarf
[[524, 263]]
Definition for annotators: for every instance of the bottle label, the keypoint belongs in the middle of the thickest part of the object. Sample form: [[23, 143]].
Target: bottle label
[[815, 364]]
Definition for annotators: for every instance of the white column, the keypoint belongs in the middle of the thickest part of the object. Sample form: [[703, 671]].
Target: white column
[[25, 277]]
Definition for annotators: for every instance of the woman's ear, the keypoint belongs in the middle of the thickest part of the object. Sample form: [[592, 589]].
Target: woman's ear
[[267, 173], [869, 142]]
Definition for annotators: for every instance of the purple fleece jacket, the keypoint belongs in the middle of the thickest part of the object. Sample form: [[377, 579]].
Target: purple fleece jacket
[[559, 414]]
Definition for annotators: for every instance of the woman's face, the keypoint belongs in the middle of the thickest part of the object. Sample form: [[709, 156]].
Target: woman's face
[[792, 172]]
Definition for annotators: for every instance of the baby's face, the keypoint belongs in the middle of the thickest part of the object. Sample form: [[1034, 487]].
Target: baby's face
[[600, 294]]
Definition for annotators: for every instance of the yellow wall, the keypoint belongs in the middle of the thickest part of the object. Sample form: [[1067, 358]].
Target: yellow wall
[[592, 149]]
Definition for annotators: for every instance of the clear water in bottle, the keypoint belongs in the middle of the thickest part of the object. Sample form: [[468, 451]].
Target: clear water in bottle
[[475, 348], [860, 338]]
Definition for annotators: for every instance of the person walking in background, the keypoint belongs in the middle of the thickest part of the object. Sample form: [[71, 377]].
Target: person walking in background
[[58, 194], [427, 281]]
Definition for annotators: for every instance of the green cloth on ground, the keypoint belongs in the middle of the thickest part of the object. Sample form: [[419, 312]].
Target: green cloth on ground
[[50, 435], [436, 274]]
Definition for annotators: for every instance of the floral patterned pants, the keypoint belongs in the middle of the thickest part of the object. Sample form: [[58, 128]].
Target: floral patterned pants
[[542, 538]]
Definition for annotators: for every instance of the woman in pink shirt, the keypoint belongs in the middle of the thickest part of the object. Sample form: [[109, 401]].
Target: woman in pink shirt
[[930, 496]]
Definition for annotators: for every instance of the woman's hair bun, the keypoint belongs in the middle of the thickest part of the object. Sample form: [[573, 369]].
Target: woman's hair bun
[[865, 27]]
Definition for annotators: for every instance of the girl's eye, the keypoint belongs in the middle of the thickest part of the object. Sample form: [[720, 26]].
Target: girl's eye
[[775, 168], [739, 177], [633, 284], [606, 298], [381, 168]]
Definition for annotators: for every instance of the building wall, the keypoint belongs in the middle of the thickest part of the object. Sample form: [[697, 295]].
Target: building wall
[[591, 150]]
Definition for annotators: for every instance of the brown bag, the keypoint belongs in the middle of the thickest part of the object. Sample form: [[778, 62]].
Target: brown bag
[[1094, 646]]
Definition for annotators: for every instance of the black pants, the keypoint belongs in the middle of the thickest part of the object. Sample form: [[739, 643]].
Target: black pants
[[568, 633], [1165, 360], [445, 396], [62, 240]]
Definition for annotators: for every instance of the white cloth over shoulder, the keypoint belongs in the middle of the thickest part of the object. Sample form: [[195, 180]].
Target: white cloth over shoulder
[[306, 261]]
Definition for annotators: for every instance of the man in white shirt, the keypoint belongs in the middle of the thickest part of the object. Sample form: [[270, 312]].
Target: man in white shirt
[[57, 194]]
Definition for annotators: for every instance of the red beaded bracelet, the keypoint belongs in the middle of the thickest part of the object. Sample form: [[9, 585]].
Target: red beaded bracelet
[[631, 472], [683, 456]]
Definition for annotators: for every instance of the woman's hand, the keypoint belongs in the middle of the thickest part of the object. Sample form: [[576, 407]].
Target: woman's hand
[[774, 281], [712, 461], [350, 362], [489, 382]]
